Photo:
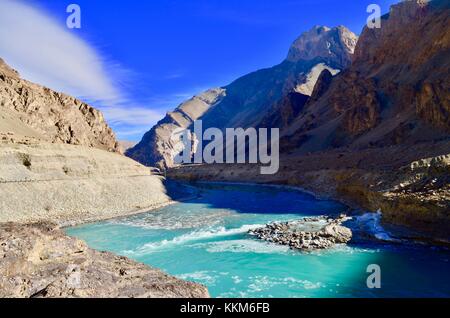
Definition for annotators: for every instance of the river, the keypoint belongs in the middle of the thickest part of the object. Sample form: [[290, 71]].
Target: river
[[205, 240]]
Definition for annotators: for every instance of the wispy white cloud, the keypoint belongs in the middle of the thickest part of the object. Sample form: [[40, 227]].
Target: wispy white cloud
[[132, 115], [132, 122], [46, 52], [134, 134], [173, 76]]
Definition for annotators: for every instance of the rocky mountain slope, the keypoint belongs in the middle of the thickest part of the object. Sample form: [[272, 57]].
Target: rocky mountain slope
[[249, 97], [49, 115], [245, 102], [395, 91]]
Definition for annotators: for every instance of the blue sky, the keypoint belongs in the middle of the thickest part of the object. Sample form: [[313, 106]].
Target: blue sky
[[137, 59]]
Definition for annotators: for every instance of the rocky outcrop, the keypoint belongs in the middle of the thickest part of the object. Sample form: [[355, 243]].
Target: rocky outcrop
[[306, 234], [285, 111], [360, 119], [417, 194], [6, 70], [255, 99], [322, 85], [55, 117], [411, 68], [433, 103], [307, 87], [336, 43], [40, 261]]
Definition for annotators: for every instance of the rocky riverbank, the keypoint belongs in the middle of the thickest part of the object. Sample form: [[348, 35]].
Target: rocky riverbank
[[306, 234], [40, 261]]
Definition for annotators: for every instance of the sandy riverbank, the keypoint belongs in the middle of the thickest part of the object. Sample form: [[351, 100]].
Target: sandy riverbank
[[69, 185]]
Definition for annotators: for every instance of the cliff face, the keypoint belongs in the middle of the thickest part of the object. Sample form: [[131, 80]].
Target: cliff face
[[54, 117], [254, 98], [396, 90]]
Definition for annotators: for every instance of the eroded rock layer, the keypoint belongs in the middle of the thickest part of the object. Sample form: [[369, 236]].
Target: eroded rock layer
[[395, 91]]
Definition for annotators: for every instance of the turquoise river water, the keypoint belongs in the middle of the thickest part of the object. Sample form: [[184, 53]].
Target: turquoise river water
[[205, 240]]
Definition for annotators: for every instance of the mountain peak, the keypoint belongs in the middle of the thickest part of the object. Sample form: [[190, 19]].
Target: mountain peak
[[7, 70], [321, 41]]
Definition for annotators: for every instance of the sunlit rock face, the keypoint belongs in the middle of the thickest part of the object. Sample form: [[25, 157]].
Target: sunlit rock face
[[409, 57], [331, 43], [49, 115], [394, 91]]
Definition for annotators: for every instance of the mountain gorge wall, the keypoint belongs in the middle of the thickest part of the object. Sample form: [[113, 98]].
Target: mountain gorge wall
[[393, 93], [246, 102]]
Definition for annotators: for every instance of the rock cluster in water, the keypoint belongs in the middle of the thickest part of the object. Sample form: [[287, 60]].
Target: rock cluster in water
[[306, 234]]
